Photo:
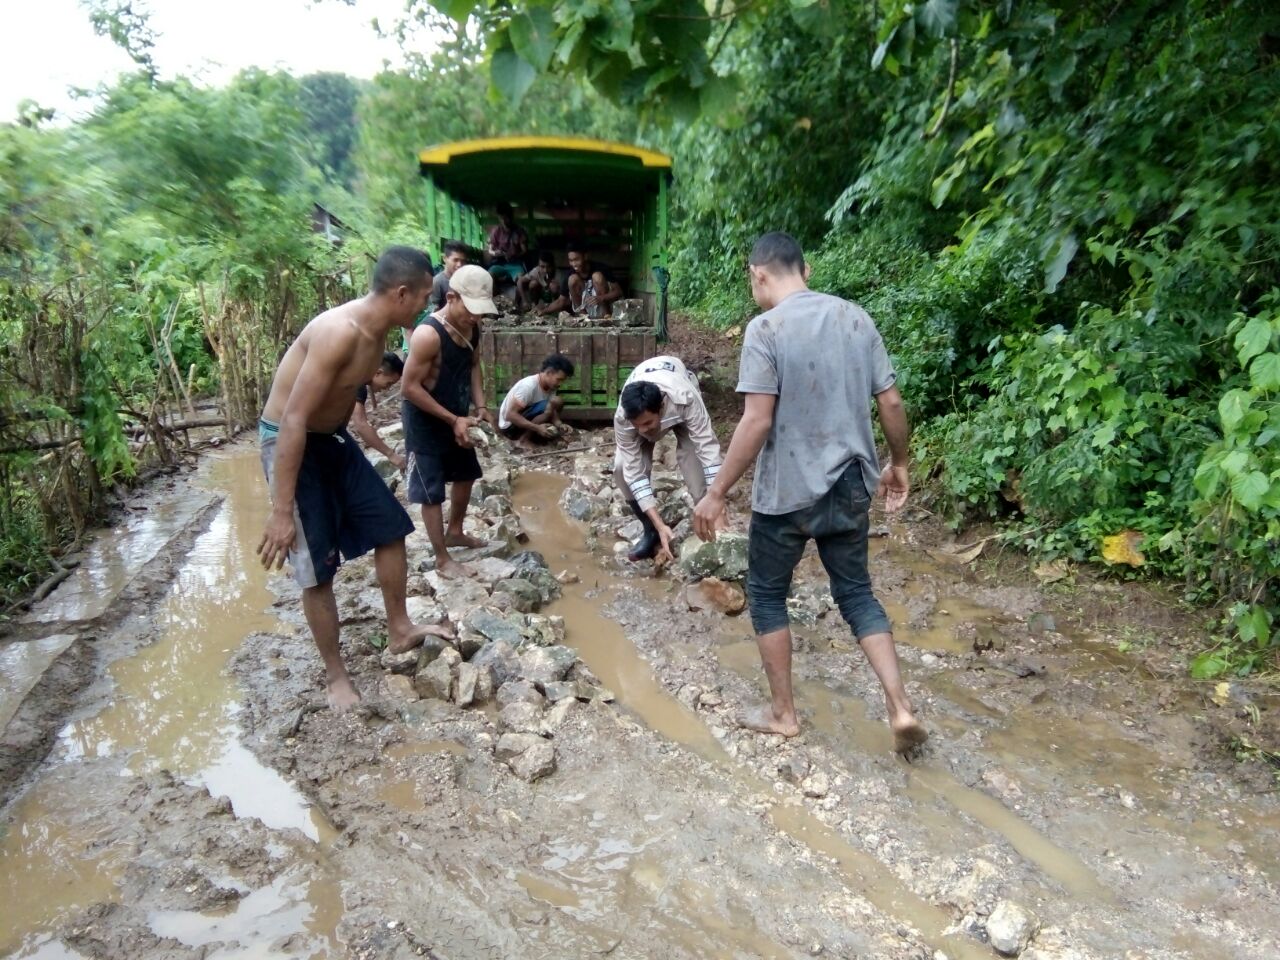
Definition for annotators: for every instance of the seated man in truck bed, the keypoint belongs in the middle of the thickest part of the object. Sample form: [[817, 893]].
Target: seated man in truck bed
[[589, 289], [539, 289], [531, 409]]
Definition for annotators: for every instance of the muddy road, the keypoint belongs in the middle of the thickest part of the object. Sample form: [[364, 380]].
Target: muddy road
[[174, 788]]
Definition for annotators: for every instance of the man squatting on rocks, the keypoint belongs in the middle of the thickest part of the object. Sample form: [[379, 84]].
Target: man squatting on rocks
[[810, 364], [531, 407], [326, 498], [442, 379], [388, 376], [658, 397]]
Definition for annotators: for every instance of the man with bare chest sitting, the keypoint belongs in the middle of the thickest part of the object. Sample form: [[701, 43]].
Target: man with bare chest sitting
[[326, 498], [442, 380]]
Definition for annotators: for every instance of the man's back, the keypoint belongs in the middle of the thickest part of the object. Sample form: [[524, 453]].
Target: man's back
[[824, 359]]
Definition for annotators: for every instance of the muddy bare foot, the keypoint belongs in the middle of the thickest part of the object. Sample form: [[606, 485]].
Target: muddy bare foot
[[452, 569], [762, 720], [402, 641], [342, 695], [908, 735], [463, 540]]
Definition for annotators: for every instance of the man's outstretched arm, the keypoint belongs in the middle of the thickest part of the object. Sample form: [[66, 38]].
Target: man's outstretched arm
[[748, 438]]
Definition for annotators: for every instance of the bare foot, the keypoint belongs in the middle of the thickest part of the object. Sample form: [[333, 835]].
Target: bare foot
[[403, 643], [463, 540], [907, 735], [453, 570], [342, 695], [763, 720]]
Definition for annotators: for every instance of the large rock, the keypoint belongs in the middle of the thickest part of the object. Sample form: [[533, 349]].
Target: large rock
[[458, 597], [511, 745], [525, 597], [543, 665], [1010, 928], [491, 570], [581, 505], [521, 717], [424, 611], [535, 763], [725, 557], [399, 688], [715, 594], [501, 659], [528, 561], [493, 627], [435, 680], [431, 648], [544, 631], [519, 691], [464, 689], [484, 684], [629, 312], [530, 757], [405, 663]]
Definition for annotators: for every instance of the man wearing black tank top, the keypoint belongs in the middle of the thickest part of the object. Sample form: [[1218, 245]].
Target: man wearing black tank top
[[441, 382]]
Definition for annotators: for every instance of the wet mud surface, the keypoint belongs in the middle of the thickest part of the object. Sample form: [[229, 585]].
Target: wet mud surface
[[182, 792]]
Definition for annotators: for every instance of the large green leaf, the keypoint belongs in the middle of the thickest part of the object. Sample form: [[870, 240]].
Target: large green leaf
[[1265, 372], [533, 36], [1249, 489], [1232, 408], [1253, 338], [512, 75]]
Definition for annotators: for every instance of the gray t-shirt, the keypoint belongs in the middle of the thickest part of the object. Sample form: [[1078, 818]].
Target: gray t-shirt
[[823, 358], [439, 289]]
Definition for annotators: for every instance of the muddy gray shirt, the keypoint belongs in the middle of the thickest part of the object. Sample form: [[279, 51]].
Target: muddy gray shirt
[[823, 359]]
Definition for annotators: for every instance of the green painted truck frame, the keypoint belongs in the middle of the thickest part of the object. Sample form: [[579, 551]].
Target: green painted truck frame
[[610, 197]]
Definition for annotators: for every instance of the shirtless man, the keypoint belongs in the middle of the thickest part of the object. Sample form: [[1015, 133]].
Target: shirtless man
[[326, 497], [442, 380]]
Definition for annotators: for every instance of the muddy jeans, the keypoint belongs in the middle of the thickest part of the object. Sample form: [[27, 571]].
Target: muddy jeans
[[686, 459], [838, 524]]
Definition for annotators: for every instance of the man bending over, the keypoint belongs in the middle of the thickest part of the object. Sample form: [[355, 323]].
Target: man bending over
[[388, 376], [326, 498], [661, 396]]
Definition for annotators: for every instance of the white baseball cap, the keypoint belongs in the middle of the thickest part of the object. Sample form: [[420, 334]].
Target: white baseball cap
[[474, 285]]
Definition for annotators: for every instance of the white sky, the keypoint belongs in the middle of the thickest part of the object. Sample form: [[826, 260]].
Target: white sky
[[47, 46]]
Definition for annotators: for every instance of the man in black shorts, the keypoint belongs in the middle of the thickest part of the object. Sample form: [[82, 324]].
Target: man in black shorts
[[326, 498], [442, 380]]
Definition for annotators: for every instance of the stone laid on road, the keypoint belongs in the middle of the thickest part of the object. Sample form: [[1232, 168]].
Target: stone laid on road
[[491, 626], [501, 659], [521, 717], [543, 665], [712, 593], [725, 557], [528, 755], [464, 688], [525, 597], [519, 691], [402, 663], [492, 570], [581, 505], [435, 680], [399, 688], [1010, 928]]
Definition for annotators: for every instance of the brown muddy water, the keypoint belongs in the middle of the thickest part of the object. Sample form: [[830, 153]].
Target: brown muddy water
[[603, 645], [172, 707]]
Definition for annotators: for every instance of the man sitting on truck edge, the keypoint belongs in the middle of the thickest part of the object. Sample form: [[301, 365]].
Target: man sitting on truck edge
[[589, 289], [538, 289], [531, 408], [388, 376], [660, 396], [442, 379], [326, 498]]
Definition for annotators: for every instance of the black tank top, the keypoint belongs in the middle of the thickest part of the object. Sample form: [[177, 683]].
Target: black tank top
[[452, 390]]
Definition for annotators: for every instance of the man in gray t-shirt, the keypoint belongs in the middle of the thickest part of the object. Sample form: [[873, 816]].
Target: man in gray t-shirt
[[810, 365]]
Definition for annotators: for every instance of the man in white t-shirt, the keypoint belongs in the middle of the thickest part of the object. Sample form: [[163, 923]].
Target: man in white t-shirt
[[531, 410]]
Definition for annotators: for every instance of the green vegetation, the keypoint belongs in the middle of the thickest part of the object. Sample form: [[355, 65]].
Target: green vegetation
[[1063, 216]]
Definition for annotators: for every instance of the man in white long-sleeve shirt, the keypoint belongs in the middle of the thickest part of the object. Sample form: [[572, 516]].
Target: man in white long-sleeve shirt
[[661, 396]]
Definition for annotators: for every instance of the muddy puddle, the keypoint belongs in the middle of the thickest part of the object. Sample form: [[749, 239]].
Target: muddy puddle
[[171, 707], [604, 646]]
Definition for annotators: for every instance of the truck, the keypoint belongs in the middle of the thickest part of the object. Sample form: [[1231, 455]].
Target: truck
[[610, 199]]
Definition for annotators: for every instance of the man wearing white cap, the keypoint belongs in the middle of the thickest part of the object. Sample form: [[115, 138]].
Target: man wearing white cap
[[442, 380]]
